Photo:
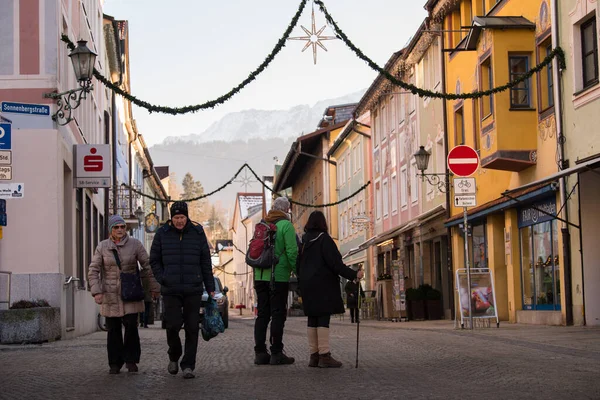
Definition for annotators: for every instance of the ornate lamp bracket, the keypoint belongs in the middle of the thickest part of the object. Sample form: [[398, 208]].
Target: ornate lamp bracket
[[69, 101]]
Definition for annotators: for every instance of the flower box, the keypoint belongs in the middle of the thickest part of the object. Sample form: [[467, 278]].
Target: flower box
[[30, 325]]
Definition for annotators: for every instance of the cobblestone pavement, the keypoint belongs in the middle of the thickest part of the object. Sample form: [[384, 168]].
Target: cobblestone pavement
[[414, 360]]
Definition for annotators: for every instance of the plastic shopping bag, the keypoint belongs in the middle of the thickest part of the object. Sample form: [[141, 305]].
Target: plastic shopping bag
[[213, 323]]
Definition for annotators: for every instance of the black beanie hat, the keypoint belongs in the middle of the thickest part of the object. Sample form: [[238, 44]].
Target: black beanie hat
[[179, 207]]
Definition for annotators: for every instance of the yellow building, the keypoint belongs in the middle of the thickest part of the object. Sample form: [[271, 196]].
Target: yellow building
[[514, 229]]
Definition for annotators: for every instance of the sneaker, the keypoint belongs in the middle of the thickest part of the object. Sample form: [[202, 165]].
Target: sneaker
[[280, 359], [132, 367], [326, 361], [173, 368], [114, 370], [262, 358], [314, 360], [188, 373]]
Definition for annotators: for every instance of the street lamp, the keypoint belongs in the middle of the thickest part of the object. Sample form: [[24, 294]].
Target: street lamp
[[83, 60], [422, 160], [139, 214]]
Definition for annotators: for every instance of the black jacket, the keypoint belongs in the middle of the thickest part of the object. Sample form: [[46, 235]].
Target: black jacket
[[319, 270], [180, 260], [351, 290]]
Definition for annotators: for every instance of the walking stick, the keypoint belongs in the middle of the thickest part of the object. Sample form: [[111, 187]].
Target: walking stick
[[357, 319]]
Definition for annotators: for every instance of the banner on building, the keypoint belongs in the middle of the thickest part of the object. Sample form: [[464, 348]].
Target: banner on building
[[482, 294]]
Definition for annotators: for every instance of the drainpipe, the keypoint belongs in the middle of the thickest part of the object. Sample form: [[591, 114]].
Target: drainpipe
[[566, 236], [448, 203], [114, 151]]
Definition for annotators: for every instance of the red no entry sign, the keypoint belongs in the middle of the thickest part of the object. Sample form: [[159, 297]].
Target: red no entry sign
[[463, 161]]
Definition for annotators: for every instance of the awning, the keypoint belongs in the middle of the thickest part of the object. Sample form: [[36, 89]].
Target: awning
[[494, 22], [584, 166]]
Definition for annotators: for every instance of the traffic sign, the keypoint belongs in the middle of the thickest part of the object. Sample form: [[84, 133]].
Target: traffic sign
[[468, 200], [463, 161], [464, 186], [5, 136]]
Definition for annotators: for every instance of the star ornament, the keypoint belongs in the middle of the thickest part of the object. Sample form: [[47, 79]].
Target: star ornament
[[313, 38]]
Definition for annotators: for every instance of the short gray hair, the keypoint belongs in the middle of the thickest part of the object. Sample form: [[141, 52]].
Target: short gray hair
[[281, 204]]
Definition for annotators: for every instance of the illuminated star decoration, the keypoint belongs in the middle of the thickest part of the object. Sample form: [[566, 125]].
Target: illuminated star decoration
[[314, 37], [245, 180]]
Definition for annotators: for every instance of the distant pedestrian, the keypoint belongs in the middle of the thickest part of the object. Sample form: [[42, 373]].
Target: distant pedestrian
[[104, 279], [180, 259], [352, 290], [319, 269], [145, 316], [272, 303]]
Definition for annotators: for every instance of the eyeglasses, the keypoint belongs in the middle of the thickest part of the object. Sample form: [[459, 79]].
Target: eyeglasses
[[120, 227]]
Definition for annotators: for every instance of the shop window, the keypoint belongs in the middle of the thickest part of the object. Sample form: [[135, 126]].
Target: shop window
[[79, 234], [540, 267], [589, 53], [520, 96], [478, 246]]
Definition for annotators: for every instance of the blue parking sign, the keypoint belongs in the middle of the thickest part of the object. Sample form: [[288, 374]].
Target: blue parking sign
[[5, 136]]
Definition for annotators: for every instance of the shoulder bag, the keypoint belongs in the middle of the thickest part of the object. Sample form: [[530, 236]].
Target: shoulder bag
[[131, 284]]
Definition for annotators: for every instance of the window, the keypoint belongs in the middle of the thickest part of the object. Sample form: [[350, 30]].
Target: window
[[378, 199], [476, 127], [414, 182], [440, 157], [356, 159], [402, 110], [79, 234], [384, 118], [393, 114], [342, 172], [459, 127], [487, 83], [375, 129], [519, 94], [403, 189], [478, 246], [394, 194], [546, 83], [589, 53], [386, 198], [393, 153]]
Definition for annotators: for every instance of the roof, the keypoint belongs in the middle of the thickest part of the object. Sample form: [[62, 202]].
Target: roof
[[364, 103], [247, 201], [295, 161], [162, 172], [494, 22], [351, 126], [339, 113]]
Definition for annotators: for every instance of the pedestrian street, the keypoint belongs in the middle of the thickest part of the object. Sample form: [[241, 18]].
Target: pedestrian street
[[397, 360]]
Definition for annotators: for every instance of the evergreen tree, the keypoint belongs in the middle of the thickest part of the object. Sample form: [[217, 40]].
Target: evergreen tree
[[192, 189]]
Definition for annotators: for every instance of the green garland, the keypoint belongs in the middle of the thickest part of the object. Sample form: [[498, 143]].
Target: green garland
[[230, 181], [556, 52], [209, 104]]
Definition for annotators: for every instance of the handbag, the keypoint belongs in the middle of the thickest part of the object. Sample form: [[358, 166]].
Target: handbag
[[131, 284]]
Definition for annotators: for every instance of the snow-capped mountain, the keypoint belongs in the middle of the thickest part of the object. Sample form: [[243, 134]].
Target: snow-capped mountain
[[265, 124]]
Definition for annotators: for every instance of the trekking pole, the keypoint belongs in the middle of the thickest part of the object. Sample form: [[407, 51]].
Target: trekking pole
[[358, 300]]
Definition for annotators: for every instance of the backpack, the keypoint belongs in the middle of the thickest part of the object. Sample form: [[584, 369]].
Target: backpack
[[261, 250]]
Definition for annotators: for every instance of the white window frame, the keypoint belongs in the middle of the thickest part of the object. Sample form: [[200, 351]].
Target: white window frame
[[414, 182], [403, 188], [395, 194], [378, 202], [349, 165], [583, 96], [386, 198]]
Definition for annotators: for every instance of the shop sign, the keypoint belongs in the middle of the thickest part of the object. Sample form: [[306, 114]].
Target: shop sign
[[533, 214], [92, 165]]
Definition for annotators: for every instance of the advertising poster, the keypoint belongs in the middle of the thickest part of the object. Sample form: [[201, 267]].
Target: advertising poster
[[482, 294], [398, 286]]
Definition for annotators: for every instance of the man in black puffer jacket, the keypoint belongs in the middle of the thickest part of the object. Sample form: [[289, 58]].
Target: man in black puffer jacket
[[180, 260]]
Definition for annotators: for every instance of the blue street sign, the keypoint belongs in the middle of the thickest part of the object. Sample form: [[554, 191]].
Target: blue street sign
[[2, 219], [25, 108], [5, 135], [2, 206]]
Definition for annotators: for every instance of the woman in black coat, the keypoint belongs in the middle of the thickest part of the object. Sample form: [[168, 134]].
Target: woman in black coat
[[319, 270], [351, 290]]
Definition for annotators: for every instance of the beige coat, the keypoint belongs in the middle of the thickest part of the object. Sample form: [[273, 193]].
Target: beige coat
[[104, 275]]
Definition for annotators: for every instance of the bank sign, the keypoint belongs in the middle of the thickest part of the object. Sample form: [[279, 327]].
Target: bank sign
[[533, 214], [92, 165]]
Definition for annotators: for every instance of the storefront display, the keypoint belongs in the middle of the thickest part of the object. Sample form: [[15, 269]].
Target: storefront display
[[540, 267]]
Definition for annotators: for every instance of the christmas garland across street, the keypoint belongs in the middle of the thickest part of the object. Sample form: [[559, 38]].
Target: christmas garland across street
[[556, 52], [169, 200]]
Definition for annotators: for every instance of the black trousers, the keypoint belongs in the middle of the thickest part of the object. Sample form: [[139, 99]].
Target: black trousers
[[123, 350], [319, 322], [182, 310], [272, 307], [145, 316], [354, 314]]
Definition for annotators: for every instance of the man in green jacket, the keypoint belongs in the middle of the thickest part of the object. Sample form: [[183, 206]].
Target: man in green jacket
[[272, 304]]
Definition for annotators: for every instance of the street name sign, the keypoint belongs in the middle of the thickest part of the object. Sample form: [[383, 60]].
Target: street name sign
[[463, 161], [25, 108], [467, 200], [464, 186]]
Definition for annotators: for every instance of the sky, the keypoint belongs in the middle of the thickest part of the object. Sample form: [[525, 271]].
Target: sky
[[185, 52]]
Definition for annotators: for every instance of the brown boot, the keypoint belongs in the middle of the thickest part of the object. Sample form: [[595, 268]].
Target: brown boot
[[326, 361], [314, 360]]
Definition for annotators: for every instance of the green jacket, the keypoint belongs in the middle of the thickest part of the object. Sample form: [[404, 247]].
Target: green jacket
[[286, 248]]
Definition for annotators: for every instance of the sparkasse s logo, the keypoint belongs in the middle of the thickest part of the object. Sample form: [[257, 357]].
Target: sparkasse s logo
[[93, 163]]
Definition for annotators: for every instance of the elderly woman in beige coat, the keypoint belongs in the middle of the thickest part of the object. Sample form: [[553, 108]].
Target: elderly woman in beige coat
[[104, 279]]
